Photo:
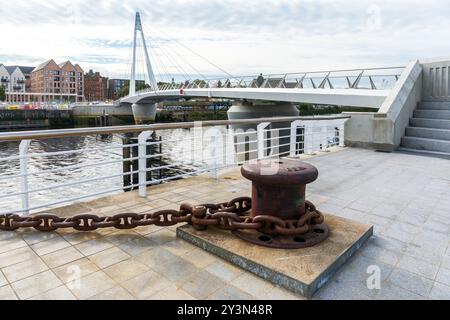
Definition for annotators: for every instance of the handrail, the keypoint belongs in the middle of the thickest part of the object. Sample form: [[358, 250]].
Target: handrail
[[56, 133], [305, 72], [286, 77]]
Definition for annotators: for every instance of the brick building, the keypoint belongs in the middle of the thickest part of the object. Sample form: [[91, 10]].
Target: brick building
[[53, 81], [95, 86]]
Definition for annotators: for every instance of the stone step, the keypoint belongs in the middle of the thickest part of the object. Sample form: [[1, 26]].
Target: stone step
[[426, 144], [428, 133], [426, 105], [443, 155], [430, 123], [432, 114]]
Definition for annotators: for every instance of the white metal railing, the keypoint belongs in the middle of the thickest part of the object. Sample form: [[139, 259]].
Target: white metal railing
[[369, 78], [200, 147]]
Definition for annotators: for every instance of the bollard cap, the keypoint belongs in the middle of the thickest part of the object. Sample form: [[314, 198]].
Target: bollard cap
[[280, 172]]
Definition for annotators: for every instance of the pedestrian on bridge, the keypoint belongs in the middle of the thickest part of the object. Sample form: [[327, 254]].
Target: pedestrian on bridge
[[260, 80]]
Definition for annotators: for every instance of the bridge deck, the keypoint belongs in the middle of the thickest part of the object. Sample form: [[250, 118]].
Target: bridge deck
[[363, 98], [405, 196]]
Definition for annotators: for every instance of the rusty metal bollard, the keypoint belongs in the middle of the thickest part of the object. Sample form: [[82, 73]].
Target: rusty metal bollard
[[278, 201]]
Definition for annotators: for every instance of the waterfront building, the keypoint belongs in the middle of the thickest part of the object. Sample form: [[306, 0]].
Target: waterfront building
[[4, 77], [63, 82], [95, 86], [15, 78]]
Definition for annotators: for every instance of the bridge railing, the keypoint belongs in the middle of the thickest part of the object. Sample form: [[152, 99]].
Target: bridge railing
[[370, 78], [41, 170]]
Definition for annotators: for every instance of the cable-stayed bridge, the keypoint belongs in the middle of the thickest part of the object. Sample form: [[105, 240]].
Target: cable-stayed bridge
[[393, 92], [366, 88]]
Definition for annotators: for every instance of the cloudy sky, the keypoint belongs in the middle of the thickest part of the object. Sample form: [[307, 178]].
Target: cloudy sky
[[242, 37]]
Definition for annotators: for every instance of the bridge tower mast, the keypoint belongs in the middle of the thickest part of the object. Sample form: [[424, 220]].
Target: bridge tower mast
[[151, 75]]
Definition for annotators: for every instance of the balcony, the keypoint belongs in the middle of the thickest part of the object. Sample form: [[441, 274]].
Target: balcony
[[4, 80], [20, 81]]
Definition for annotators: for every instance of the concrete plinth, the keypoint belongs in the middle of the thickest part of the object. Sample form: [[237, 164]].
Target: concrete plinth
[[303, 271], [144, 113]]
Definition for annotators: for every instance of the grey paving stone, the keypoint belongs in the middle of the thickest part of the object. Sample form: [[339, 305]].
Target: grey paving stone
[[344, 290], [202, 284], [390, 291], [411, 282], [440, 292], [224, 270], [382, 254], [177, 270], [418, 266], [443, 276], [402, 231], [230, 293]]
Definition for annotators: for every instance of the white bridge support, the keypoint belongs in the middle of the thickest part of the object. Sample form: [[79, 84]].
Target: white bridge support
[[142, 112], [150, 74]]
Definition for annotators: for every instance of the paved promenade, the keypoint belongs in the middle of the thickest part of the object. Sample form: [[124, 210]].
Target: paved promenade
[[406, 197]]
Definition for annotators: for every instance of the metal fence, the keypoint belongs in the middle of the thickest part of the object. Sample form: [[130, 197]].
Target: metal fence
[[137, 157], [369, 78]]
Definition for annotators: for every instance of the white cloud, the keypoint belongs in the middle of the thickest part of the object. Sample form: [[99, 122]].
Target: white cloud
[[242, 37]]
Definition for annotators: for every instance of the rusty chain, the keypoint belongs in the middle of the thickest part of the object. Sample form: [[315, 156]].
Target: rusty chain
[[226, 216]]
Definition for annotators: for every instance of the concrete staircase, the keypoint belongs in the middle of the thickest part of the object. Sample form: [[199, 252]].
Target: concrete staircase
[[429, 129]]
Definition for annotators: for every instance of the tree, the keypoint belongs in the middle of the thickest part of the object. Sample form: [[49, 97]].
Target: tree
[[2, 93], [126, 89]]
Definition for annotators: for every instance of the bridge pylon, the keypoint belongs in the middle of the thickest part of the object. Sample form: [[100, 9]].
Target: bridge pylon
[[139, 30]]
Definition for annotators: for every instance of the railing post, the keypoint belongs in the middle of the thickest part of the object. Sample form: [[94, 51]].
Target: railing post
[[309, 137], [261, 139], [293, 137], [342, 133], [142, 153], [126, 164], [23, 153], [214, 171], [324, 136]]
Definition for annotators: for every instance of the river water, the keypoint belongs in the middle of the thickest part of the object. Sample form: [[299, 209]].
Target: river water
[[59, 168]]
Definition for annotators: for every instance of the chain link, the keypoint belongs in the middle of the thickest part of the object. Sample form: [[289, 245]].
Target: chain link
[[225, 216]]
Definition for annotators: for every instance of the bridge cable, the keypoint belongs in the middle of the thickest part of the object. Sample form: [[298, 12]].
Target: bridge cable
[[166, 54], [182, 58], [197, 54], [172, 60]]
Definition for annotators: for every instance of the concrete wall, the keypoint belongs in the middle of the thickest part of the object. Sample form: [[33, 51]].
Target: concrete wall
[[99, 109], [359, 129], [436, 84], [383, 130]]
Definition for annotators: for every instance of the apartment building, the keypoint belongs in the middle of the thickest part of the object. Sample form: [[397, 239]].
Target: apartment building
[[15, 78], [52, 81]]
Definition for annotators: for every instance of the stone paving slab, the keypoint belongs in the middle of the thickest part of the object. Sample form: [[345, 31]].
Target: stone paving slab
[[303, 271]]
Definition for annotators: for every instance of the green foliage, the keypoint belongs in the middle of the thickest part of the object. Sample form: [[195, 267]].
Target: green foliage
[[312, 110], [2, 94], [166, 116]]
